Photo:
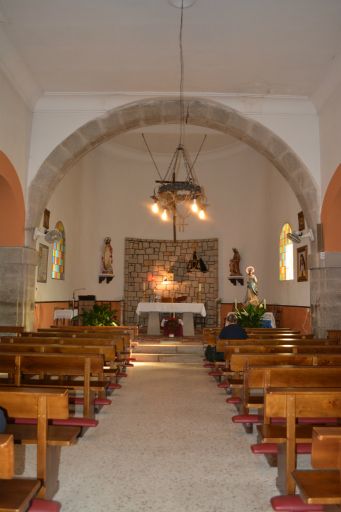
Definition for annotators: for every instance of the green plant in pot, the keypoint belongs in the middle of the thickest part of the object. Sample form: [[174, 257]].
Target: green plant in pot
[[250, 315], [99, 315]]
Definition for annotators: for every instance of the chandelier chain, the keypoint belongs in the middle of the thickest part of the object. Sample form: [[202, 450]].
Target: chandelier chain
[[182, 72]]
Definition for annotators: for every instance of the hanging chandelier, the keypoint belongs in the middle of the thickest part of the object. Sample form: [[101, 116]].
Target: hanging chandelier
[[178, 193]]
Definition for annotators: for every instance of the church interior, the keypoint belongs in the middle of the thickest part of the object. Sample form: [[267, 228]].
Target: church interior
[[163, 165]]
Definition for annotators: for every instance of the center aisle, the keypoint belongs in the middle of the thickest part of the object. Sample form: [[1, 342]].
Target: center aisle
[[166, 444]]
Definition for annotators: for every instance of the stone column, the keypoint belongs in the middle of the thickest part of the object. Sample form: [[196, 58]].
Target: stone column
[[17, 289], [325, 293]]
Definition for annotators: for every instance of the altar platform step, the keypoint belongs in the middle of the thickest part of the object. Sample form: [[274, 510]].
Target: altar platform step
[[167, 351]]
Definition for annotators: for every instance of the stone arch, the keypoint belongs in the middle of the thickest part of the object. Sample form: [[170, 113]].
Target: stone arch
[[12, 207], [331, 214], [147, 112]]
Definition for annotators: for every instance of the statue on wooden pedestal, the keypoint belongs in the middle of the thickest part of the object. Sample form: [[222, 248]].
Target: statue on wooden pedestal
[[107, 267], [251, 287], [234, 263]]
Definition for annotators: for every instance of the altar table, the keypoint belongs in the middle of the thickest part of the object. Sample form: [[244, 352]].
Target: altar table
[[65, 315], [155, 308]]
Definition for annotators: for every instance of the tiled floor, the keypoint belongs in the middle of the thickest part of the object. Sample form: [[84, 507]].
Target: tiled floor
[[166, 444]]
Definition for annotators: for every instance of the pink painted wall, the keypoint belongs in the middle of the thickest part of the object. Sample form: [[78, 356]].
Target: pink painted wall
[[12, 208], [331, 214]]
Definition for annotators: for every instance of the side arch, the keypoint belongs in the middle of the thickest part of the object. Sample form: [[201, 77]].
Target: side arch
[[331, 214], [12, 207], [148, 112]]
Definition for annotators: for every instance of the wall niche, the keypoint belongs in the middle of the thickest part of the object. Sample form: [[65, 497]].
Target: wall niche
[[156, 269]]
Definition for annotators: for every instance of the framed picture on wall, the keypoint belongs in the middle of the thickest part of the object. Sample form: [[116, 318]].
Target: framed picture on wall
[[43, 258], [302, 263]]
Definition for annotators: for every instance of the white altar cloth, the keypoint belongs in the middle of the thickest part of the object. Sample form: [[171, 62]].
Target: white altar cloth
[[186, 308], [64, 314]]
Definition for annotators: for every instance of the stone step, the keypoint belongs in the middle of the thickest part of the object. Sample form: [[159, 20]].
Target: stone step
[[168, 358], [168, 348]]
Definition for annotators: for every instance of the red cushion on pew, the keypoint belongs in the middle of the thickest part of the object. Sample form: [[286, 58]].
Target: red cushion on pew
[[131, 358], [264, 448], [69, 422], [102, 401], [215, 373], [98, 401], [247, 418], [303, 448], [233, 400], [209, 365], [313, 421], [122, 374], [113, 385], [293, 504], [76, 422], [44, 506], [224, 385], [272, 448]]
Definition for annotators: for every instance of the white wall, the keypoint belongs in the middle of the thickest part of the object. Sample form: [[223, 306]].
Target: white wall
[[15, 128], [107, 194], [293, 119]]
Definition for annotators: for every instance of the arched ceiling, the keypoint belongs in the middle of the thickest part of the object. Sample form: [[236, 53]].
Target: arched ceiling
[[163, 140], [283, 47]]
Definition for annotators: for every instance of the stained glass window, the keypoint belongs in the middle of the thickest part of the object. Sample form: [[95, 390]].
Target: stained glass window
[[58, 254], [286, 255]]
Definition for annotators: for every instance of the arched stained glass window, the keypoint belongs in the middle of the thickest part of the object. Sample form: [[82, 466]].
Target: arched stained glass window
[[58, 254], [286, 255]]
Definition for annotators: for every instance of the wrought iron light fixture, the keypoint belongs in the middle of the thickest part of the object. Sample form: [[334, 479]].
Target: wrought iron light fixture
[[178, 193]]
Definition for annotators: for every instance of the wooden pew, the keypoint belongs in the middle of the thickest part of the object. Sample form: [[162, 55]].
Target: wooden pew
[[241, 361], [279, 348], [120, 329], [211, 334], [120, 341], [16, 494], [323, 484], [263, 377], [41, 405], [293, 404], [222, 344], [96, 342], [11, 329], [23, 368], [108, 352]]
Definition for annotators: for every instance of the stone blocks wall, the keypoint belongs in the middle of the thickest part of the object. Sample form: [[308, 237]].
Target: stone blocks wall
[[156, 269], [17, 277]]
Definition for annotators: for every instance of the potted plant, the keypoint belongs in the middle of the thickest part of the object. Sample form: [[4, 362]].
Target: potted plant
[[99, 315], [250, 315]]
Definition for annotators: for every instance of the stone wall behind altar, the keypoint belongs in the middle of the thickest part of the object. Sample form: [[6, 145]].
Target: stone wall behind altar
[[156, 269]]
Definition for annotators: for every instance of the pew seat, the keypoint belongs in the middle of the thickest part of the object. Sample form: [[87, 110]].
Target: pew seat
[[319, 486], [18, 494]]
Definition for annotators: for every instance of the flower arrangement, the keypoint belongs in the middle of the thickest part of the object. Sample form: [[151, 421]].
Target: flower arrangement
[[250, 315]]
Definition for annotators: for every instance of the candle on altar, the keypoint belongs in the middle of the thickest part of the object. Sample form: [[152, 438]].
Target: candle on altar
[[235, 304], [144, 286], [264, 303], [199, 287]]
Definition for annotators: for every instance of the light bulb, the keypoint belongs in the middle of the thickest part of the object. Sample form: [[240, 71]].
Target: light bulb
[[194, 206], [164, 215], [155, 207], [202, 214]]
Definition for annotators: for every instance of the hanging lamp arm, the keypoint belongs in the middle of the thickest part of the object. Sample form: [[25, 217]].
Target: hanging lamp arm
[[151, 156]]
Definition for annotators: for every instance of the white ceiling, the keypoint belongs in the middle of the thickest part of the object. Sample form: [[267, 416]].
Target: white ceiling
[[230, 46]]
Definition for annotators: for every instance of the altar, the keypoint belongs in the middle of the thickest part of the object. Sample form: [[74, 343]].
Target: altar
[[187, 309]]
